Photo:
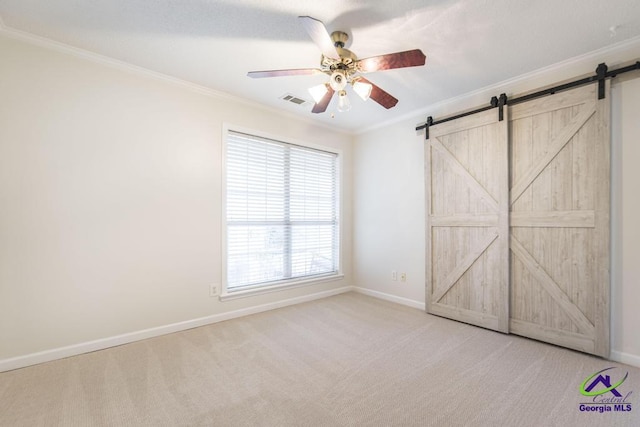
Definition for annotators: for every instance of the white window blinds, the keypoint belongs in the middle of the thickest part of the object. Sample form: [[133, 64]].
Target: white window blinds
[[281, 211]]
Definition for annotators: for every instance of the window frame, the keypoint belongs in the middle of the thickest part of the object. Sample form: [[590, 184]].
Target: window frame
[[267, 287]]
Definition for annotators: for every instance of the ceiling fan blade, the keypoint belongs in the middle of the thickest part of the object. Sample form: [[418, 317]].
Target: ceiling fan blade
[[280, 73], [319, 35], [409, 58], [321, 106], [380, 96]]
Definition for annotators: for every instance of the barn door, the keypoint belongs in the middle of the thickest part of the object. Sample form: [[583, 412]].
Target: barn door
[[560, 220], [467, 230]]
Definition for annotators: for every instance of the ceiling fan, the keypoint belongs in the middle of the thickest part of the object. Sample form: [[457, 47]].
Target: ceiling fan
[[343, 68]]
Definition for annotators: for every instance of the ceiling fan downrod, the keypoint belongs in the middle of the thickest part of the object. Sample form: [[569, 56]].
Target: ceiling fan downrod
[[339, 38]]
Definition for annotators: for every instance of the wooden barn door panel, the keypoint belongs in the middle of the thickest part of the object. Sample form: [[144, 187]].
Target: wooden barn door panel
[[467, 210], [559, 196]]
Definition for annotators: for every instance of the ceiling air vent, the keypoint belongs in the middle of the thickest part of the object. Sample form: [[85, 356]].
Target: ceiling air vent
[[287, 97]]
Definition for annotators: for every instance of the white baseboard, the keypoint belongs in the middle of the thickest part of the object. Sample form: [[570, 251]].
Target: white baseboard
[[101, 344], [390, 297], [626, 358]]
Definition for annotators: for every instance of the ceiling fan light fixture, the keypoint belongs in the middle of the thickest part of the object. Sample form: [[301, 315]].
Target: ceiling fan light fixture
[[338, 81], [362, 89], [343, 101], [318, 92]]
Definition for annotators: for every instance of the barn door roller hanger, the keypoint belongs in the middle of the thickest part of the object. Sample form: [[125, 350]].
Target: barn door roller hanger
[[602, 73]]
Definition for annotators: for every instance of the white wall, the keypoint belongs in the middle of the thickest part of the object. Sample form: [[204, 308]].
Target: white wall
[[389, 232], [625, 266], [110, 199]]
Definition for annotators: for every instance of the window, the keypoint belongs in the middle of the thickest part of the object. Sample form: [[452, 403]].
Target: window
[[281, 212]]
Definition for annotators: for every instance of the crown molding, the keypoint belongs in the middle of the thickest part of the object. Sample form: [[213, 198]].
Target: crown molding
[[502, 86], [56, 46], [580, 60]]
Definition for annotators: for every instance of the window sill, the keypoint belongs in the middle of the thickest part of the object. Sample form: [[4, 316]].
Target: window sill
[[243, 293]]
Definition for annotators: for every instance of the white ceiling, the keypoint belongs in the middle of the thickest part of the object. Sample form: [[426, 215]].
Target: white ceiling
[[469, 43]]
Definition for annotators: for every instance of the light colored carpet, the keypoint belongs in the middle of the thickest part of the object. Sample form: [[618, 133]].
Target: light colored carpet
[[348, 360]]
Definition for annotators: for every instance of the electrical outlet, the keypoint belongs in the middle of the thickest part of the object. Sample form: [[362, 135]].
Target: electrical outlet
[[394, 275], [403, 277], [214, 290]]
